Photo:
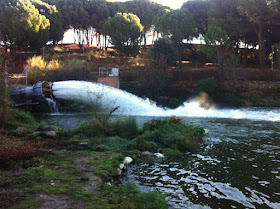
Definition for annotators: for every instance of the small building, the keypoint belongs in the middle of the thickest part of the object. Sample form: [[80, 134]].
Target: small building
[[109, 77]]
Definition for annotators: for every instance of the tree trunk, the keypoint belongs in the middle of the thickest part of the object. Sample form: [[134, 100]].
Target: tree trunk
[[179, 46], [99, 41], [145, 41], [261, 46], [220, 58], [87, 36], [74, 35]]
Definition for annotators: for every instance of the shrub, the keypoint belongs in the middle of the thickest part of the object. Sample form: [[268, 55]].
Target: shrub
[[143, 143], [172, 133], [39, 69], [126, 127], [15, 149]]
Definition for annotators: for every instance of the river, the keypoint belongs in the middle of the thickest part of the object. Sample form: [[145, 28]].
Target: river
[[237, 165]]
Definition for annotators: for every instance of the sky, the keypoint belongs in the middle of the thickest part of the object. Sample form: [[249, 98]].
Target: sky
[[174, 4]]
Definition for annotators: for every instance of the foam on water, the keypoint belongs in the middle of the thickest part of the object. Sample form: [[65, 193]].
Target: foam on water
[[130, 104]]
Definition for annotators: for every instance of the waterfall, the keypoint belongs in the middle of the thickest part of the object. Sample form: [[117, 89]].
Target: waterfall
[[52, 105], [130, 104]]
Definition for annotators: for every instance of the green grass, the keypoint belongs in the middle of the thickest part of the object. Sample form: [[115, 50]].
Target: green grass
[[18, 118], [67, 180]]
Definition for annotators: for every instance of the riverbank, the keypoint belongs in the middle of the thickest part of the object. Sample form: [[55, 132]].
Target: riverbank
[[44, 166]]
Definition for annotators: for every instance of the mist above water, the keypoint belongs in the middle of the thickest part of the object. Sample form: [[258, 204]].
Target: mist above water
[[130, 104]]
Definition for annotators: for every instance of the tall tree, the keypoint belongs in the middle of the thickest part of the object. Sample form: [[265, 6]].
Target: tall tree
[[260, 14], [124, 30], [216, 44], [21, 25], [178, 25], [146, 11], [199, 9], [50, 11]]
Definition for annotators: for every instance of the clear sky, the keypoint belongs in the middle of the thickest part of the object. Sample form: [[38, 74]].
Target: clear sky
[[174, 4]]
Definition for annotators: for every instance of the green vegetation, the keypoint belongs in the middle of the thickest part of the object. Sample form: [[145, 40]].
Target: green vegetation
[[22, 26], [172, 133], [217, 42], [17, 118], [69, 174], [101, 125], [173, 154], [121, 24], [124, 31], [178, 25]]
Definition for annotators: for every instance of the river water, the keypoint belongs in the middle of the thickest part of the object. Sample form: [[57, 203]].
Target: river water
[[237, 165]]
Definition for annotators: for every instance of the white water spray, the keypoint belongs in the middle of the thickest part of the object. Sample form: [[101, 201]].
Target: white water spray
[[130, 104]]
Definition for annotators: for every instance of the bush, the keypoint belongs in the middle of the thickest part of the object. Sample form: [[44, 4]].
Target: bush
[[39, 69], [172, 133], [143, 143], [15, 149], [126, 127], [164, 52]]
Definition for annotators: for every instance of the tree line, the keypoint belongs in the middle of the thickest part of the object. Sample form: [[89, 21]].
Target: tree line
[[224, 25]]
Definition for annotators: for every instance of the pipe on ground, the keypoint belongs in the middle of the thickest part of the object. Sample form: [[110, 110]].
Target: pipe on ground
[[39, 92]]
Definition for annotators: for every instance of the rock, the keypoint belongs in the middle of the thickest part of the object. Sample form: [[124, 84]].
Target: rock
[[83, 143], [127, 160], [158, 155], [22, 131], [35, 134], [121, 166], [146, 153], [119, 172], [51, 134]]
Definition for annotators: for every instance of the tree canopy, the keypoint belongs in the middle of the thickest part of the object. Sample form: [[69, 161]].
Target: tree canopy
[[178, 25], [29, 24], [22, 26], [124, 30]]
